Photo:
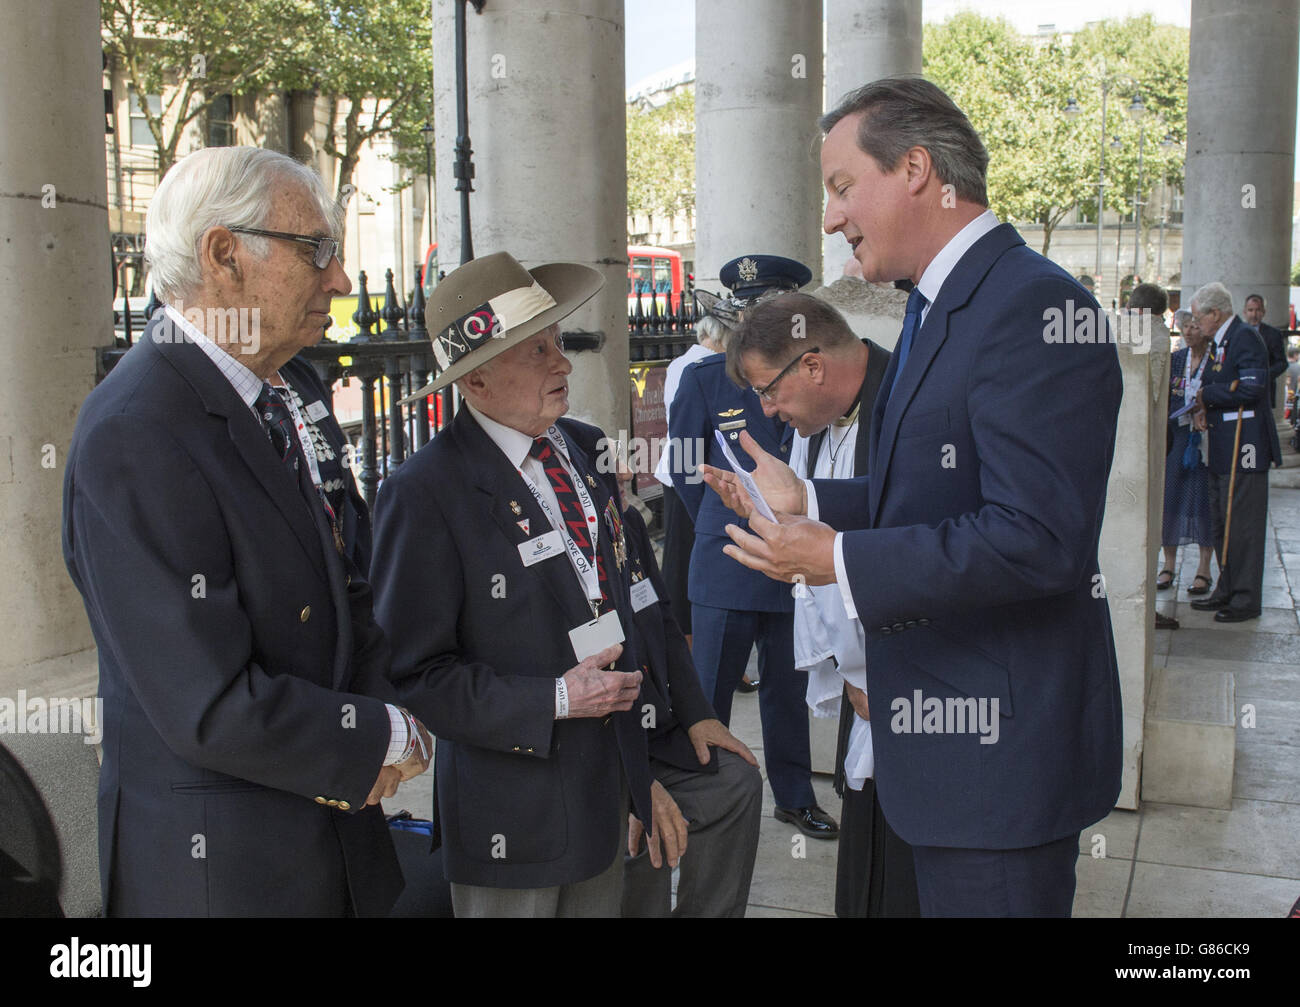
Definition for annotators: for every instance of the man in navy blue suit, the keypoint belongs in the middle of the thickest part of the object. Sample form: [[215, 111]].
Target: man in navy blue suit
[[969, 553], [732, 608], [1234, 395], [250, 729]]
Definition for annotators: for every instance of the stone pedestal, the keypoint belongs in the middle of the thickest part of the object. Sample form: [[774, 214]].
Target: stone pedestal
[[546, 120], [865, 40], [55, 272], [1131, 531], [758, 93], [1190, 739], [1241, 114]]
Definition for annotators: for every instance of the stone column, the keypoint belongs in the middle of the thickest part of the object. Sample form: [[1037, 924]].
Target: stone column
[[758, 93], [54, 270], [1131, 529], [546, 121], [865, 40], [1241, 114]]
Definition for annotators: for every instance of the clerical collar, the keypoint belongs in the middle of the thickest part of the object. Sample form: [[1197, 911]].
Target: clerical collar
[[851, 417]]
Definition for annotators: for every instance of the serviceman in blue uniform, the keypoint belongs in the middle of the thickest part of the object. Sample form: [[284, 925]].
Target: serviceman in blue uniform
[[734, 608], [1235, 390]]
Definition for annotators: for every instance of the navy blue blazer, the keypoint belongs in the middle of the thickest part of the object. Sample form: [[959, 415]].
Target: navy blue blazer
[[971, 553], [242, 673], [521, 800], [671, 687], [707, 400], [1244, 357]]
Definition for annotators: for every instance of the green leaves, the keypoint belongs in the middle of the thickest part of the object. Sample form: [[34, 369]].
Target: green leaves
[[1015, 89], [661, 156]]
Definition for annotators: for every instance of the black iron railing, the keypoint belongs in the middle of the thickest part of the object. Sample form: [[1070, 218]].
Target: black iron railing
[[391, 357]]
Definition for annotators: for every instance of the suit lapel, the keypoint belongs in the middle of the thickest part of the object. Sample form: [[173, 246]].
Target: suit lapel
[[957, 289], [248, 436], [503, 489]]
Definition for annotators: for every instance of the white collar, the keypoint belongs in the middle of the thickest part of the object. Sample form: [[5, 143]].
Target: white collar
[[959, 244], [1223, 329], [246, 384], [514, 444]]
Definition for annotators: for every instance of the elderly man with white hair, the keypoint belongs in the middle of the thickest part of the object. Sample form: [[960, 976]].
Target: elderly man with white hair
[[1232, 404], [250, 730]]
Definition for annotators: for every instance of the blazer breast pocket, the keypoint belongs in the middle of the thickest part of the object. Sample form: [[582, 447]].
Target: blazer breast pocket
[[924, 424]]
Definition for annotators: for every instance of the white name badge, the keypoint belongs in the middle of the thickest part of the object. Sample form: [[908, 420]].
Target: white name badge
[[643, 594], [593, 637], [542, 547], [317, 411]]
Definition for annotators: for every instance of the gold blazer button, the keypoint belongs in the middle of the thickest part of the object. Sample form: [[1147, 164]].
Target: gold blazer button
[[305, 614]]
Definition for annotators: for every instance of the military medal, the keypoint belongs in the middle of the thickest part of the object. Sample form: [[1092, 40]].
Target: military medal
[[591, 481], [615, 521]]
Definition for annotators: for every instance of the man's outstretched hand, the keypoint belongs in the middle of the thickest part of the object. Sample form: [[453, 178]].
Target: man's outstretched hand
[[795, 551], [781, 488]]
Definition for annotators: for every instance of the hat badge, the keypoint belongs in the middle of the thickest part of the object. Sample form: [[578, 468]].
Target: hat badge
[[748, 269]]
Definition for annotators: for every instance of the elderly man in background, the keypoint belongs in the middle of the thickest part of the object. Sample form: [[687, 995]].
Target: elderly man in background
[[250, 728], [1232, 405]]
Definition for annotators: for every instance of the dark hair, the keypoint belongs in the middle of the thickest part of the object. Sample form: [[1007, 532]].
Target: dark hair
[[908, 111], [777, 329], [1149, 297], [1256, 297]]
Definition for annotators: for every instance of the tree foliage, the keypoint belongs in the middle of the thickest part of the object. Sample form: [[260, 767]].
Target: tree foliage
[[1042, 162], [371, 59], [661, 157]]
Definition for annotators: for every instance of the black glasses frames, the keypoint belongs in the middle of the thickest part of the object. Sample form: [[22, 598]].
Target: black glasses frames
[[326, 248], [766, 391]]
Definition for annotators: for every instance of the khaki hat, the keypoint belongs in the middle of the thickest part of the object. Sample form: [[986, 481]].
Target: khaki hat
[[491, 304]]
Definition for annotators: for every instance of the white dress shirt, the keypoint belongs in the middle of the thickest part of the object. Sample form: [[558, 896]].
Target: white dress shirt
[[931, 283], [663, 470]]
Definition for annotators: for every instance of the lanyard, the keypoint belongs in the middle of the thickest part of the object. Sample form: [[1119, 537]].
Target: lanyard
[[585, 570], [300, 428]]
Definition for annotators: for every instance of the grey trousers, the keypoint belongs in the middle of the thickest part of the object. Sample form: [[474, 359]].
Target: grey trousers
[[599, 896], [722, 810], [1241, 578]]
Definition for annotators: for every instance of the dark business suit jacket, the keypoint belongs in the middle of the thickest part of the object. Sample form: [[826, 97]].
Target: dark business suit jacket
[[1275, 343], [242, 673], [670, 691], [706, 401], [971, 554], [1244, 358], [521, 800]]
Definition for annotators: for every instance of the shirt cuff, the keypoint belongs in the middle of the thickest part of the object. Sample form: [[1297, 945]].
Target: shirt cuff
[[810, 509], [842, 578], [399, 737]]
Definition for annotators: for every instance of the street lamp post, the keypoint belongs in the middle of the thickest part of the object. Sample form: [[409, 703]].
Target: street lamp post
[[1166, 143], [1137, 112], [427, 132]]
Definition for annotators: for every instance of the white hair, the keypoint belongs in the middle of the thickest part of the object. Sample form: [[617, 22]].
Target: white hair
[[214, 187], [1213, 297]]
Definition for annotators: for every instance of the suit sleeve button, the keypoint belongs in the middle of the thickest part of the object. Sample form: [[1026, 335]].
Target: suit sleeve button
[[899, 627], [332, 803], [321, 800], [885, 629], [516, 748], [911, 624], [344, 806], [305, 614], [923, 622], [530, 751]]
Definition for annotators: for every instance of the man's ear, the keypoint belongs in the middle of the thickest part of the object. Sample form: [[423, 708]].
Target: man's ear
[[919, 169], [217, 255]]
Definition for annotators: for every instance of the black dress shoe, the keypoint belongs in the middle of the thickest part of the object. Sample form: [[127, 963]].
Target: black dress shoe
[[811, 821], [1235, 615], [1165, 622], [1210, 604]]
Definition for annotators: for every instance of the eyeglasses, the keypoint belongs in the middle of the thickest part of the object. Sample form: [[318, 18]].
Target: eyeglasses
[[766, 391], [326, 248]]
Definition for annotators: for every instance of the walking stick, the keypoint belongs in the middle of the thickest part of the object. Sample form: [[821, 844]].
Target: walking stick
[[1232, 481]]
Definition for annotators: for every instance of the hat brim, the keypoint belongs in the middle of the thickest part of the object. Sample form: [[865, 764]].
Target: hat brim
[[570, 284]]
